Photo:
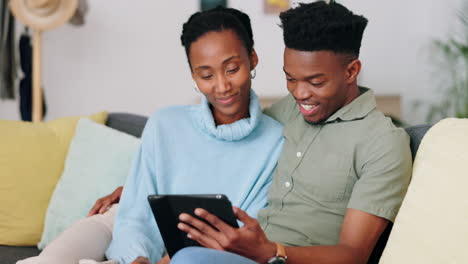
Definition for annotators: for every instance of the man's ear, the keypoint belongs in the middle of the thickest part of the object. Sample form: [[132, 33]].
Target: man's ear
[[253, 59], [352, 71]]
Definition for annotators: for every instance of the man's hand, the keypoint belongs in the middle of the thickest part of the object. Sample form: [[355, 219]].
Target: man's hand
[[145, 260], [359, 233], [103, 204], [141, 260], [249, 240]]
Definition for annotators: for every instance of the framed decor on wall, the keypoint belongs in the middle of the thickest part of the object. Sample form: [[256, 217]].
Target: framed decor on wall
[[276, 6], [209, 4]]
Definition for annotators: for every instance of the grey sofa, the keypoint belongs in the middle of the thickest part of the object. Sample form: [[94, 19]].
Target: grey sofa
[[134, 124]]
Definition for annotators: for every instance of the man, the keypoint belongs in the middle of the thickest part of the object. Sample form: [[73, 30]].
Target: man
[[344, 169]]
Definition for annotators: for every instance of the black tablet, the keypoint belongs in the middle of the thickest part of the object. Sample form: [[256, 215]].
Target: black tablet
[[167, 208]]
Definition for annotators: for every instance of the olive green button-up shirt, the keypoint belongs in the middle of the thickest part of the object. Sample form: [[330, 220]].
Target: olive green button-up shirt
[[355, 159]]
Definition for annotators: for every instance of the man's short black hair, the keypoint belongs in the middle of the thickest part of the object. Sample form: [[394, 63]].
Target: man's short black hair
[[217, 19], [321, 26]]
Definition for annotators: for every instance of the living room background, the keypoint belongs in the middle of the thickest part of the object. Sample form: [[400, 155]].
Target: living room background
[[128, 57]]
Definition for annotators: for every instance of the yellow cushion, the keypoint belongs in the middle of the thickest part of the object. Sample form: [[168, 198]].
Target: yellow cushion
[[32, 158], [432, 224]]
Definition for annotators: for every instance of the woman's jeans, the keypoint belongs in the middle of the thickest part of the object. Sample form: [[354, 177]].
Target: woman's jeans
[[207, 256]]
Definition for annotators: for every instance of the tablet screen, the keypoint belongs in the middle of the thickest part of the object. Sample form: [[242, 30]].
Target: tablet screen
[[167, 208]]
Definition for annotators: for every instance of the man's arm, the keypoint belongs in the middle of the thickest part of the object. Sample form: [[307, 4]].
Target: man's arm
[[359, 234], [281, 110], [377, 195], [103, 204]]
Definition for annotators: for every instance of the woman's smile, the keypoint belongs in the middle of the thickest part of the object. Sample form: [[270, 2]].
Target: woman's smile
[[228, 100]]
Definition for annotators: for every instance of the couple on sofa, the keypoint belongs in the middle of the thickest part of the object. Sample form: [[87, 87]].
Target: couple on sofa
[[341, 169]]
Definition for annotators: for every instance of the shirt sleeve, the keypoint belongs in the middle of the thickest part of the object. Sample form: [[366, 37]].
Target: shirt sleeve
[[135, 231], [282, 110], [385, 175]]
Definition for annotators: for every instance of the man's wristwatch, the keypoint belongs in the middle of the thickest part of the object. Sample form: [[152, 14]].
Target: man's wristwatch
[[280, 257]]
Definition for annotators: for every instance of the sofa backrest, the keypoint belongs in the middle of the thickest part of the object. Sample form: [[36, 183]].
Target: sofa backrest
[[133, 124], [416, 134], [129, 123]]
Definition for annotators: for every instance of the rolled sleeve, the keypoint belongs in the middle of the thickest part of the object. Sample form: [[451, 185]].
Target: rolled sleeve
[[385, 175]]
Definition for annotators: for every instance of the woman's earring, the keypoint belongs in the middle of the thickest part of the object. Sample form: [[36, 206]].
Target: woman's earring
[[253, 73], [195, 87]]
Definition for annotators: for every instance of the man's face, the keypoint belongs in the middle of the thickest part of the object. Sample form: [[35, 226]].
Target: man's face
[[319, 81]]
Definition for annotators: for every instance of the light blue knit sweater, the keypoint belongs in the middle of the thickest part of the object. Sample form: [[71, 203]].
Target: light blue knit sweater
[[184, 152]]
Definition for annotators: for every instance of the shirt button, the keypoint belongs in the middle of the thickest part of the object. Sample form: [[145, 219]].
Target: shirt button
[[287, 184], [299, 154]]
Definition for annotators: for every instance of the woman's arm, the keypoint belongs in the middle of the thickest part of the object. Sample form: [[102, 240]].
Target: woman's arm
[[135, 231]]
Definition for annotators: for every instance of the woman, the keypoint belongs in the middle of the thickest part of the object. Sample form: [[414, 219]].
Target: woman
[[224, 145]]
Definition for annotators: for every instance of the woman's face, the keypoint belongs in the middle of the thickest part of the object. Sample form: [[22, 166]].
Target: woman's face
[[221, 69]]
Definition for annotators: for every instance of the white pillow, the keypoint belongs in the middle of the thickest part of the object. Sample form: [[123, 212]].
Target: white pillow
[[98, 161], [432, 224]]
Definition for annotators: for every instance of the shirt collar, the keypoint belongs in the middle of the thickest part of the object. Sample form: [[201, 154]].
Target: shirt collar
[[359, 108]]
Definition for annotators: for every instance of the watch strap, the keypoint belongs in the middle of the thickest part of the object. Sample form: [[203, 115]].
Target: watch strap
[[280, 250]]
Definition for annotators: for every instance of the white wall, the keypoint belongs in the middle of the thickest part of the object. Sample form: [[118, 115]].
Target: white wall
[[128, 56], [396, 50]]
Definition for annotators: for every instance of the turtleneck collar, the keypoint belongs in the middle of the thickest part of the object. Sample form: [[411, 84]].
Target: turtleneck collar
[[203, 119]]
